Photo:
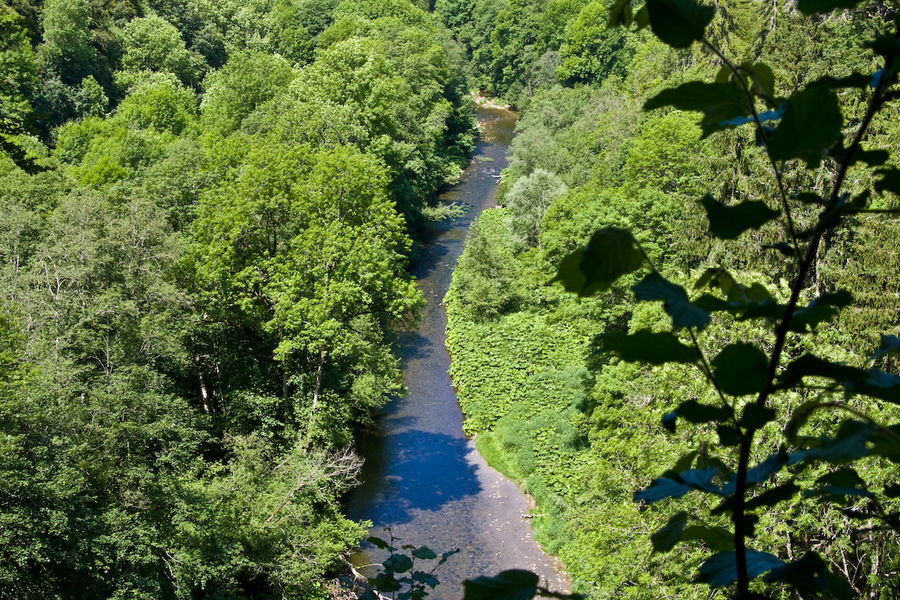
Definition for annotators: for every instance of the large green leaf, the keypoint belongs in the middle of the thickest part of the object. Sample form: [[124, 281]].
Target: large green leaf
[[889, 181], [647, 346], [755, 416], [515, 584], [398, 563], [728, 222], [662, 488], [378, 542], [424, 552], [695, 412], [811, 124], [850, 443], [611, 253], [675, 301], [810, 577], [772, 497], [740, 369], [668, 487], [872, 382], [722, 104], [717, 538], [679, 23], [838, 484], [665, 538], [890, 346], [813, 366], [620, 14], [720, 569], [819, 310]]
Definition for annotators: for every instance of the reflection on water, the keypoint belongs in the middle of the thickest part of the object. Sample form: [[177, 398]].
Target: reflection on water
[[422, 477]]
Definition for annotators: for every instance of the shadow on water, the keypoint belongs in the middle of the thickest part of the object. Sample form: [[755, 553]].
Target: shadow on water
[[412, 484], [413, 346]]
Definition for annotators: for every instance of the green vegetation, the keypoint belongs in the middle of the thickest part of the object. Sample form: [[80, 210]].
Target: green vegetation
[[578, 397], [208, 209], [207, 213]]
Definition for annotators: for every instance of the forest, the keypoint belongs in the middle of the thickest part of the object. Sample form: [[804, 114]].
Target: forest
[[209, 208], [605, 402]]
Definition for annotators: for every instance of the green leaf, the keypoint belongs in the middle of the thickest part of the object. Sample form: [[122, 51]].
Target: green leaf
[[701, 479], [772, 497], [850, 443], [515, 584], [763, 79], [811, 124], [729, 436], [755, 416], [620, 14], [810, 577], [840, 483], [877, 384], [447, 555], [424, 552], [854, 80], [398, 563], [728, 222], [611, 253], [378, 542], [647, 346], [873, 158], [426, 578], [764, 470], [675, 301], [665, 539], [723, 105], [740, 369], [812, 366], [695, 412], [739, 296], [717, 538], [872, 382], [679, 23], [815, 7], [642, 18], [820, 310], [660, 489], [889, 182], [385, 582], [886, 45], [890, 346], [720, 569]]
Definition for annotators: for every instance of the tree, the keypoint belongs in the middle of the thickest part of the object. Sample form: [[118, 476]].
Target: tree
[[153, 44], [308, 249], [527, 201], [244, 83], [591, 51], [67, 45], [16, 86]]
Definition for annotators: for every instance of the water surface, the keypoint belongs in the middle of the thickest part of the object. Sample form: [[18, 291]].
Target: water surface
[[422, 477]]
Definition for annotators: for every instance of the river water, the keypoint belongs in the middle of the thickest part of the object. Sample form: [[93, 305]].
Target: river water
[[422, 477]]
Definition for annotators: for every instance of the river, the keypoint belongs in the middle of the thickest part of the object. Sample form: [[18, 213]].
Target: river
[[422, 477]]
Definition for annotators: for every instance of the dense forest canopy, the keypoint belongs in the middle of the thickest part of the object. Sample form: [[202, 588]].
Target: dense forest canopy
[[207, 212], [208, 208]]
